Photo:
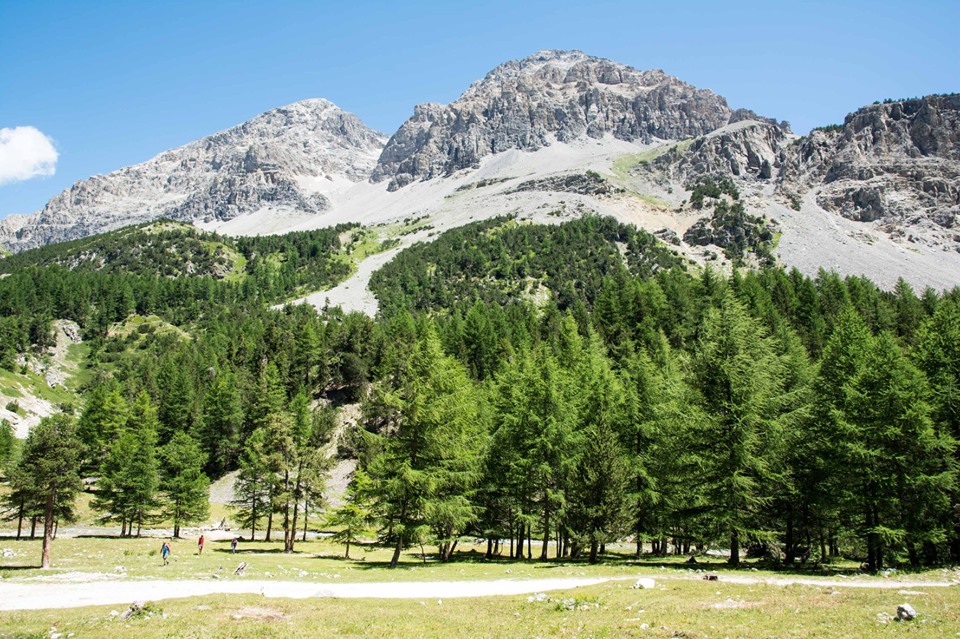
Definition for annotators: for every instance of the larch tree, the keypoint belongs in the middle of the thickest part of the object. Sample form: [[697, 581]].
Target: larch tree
[[901, 467], [738, 381], [184, 486], [429, 459], [51, 456]]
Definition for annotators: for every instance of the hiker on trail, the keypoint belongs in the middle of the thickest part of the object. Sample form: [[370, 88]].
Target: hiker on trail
[[200, 545], [233, 544], [165, 553]]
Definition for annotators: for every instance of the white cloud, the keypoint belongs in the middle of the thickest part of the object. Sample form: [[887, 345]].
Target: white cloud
[[25, 152]]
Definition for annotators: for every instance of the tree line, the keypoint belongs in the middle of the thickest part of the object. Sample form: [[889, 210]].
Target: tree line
[[766, 411]]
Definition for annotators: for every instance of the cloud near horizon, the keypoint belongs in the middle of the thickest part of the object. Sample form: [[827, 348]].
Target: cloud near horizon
[[25, 153]]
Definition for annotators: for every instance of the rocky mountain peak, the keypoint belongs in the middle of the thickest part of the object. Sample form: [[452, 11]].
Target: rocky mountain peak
[[286, 159], [550, 96], [897, 161]]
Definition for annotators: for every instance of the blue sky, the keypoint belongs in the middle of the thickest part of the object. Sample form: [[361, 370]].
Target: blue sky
[[115, 83]]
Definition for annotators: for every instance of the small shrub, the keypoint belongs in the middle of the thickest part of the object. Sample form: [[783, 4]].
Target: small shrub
[[13, 407]]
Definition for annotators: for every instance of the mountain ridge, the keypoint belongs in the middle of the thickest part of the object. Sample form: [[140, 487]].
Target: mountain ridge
[[287, 158], [877, 195]]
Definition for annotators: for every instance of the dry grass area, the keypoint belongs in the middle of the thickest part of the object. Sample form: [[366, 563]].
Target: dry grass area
[[682, 604], [675, 608]]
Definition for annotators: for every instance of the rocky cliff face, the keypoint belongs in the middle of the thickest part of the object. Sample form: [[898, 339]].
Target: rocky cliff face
[[284, 159], [748, 149], [897, 161], [550, 96]]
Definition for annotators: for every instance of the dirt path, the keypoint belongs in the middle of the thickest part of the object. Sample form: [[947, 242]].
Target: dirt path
[[33, 596], [827, 583]]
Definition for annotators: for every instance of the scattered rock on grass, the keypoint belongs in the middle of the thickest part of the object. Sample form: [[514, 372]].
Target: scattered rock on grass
[[905, 612]]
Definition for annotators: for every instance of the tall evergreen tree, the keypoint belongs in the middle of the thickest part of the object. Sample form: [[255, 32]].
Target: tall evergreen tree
[[429, 463], [51, 459], [252, 488], [126, 490], [901, 467], [738, 380], [185, 488]]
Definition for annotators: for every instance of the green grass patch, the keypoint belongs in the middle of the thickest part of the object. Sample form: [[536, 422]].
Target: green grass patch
[[652, 201], [624, 164], [681, 605]]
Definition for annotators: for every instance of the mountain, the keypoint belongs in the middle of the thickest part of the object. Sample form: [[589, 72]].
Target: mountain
[[892, 166], [898, 162], [285, 161], [550, 96], [555, 136]]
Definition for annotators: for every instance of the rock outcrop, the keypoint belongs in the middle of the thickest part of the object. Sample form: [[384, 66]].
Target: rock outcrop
[[898, 161], [748, 149], [284, 159], [550, 96]]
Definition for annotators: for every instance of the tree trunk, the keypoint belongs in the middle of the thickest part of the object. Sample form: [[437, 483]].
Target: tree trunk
[[734, 549], [396, 552], [253, 518], [790, 550], [47, 530], [20, 520], [546, 533], [269, 524], [347, 554], [286, 512], [33, 527], [306, 513], [293, 526], [594, 546]]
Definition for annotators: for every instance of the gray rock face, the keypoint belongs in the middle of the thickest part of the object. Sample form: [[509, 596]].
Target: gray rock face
[[748, 149], [551, 95], [898, 161], [280, 160]]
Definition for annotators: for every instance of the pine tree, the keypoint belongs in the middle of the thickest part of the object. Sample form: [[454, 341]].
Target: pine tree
[[126, 490], [353, 516], [938, 356], [104, 416], [533, 442], [221, 423], [185, 488], [901, 467], [252, 487], [8, 446], [821, 477], [429, 461], [51, 460], [738, 379]]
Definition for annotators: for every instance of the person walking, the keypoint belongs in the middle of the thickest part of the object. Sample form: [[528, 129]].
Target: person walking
[[200, 545], [165, 553], [233, 545]]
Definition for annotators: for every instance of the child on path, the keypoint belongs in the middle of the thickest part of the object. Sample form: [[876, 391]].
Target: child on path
[[165, 552], [200, 545]]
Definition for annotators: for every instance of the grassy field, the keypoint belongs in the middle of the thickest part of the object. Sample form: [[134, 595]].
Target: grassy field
[[681, 605]]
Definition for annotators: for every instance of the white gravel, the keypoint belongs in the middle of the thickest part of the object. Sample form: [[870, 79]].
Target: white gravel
[[31, 596]]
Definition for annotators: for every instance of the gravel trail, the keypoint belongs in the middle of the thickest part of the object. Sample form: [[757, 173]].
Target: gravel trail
[[31, 596]]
